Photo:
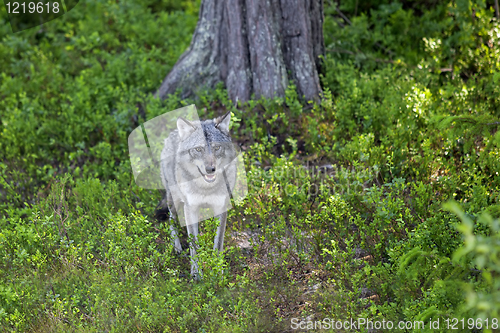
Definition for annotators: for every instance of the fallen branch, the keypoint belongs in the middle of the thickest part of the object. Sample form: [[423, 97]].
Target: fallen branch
[[388, 61], [343, 16]]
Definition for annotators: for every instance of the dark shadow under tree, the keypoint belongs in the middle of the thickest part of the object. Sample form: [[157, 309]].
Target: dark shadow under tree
[[254, 47]]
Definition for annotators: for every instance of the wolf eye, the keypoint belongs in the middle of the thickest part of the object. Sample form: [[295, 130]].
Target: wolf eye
[[216, 147], [198, 149]]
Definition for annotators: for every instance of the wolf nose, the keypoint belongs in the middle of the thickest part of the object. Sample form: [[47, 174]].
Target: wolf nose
[[210, 169]]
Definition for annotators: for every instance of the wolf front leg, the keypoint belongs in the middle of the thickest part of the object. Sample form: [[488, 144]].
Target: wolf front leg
[[192, 228], [175, 239], [162, 210], [219, 238]]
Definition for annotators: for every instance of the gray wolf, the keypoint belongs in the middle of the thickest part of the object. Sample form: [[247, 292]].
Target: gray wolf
[[198, 170]]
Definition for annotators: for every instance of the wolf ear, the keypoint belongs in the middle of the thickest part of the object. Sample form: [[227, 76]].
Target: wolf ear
[[222, 123], [185, 128]]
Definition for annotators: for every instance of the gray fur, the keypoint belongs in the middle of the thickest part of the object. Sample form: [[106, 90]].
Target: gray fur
[[198, 170]]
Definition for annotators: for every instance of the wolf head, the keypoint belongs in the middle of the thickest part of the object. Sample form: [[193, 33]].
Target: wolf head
[[205, 148]]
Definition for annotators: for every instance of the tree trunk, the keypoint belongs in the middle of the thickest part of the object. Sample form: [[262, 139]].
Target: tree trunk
[[253, 47]]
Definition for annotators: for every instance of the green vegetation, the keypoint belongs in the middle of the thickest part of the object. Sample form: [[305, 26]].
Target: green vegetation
[[402, 225]]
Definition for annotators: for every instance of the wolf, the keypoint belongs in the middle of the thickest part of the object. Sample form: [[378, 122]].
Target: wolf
[[198, 170]]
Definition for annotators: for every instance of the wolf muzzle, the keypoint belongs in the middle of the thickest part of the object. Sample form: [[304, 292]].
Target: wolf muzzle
[[209, 178]]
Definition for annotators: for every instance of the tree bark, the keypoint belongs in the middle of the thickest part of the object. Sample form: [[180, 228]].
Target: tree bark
[[255, 47]]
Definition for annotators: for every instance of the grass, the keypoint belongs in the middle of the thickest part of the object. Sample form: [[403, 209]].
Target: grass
[[345, 215]]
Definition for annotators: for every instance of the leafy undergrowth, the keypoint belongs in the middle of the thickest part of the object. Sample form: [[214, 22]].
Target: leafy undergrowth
[[345, 216]]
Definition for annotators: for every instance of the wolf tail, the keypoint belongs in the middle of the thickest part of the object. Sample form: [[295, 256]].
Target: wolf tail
[[162, 212]]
